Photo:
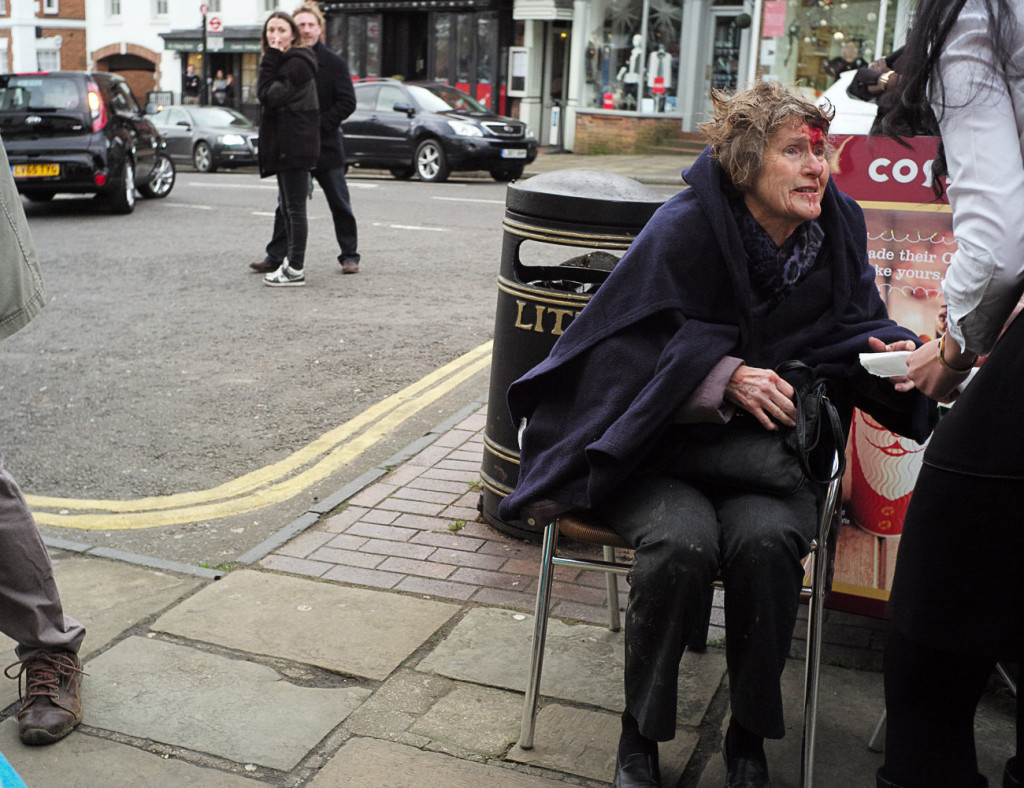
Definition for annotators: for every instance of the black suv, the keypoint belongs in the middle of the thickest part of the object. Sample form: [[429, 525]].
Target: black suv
[[431, 129], [73, 131]]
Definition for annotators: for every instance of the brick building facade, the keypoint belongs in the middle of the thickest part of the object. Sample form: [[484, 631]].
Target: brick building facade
[[42, 35]]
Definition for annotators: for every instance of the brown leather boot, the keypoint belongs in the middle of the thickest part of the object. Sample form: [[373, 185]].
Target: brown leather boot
[[51, 703]]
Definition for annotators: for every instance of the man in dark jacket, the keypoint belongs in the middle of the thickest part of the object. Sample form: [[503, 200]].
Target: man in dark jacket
[[337, 100]]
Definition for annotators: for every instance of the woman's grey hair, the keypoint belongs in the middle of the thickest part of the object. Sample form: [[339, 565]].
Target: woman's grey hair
[[745, 121]]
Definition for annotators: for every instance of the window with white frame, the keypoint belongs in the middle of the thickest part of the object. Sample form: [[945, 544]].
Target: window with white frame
[[3, 6], [160, 7], [50, 7], [48, 53], [268, 5], [114, 7], [214, 6]]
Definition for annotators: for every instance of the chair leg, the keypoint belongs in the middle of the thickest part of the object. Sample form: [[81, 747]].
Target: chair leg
[[612, 586], [877, 741], [815, 620], [540, 632]]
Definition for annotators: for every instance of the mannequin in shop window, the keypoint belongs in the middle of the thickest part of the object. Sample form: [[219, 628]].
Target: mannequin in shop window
[[631, 74], [659, 76]]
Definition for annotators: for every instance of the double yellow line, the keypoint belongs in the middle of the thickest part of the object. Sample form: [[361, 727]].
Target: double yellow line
[[273, 483]]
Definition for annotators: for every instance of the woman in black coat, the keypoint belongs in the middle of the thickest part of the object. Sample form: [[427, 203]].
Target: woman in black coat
[[289, 134]]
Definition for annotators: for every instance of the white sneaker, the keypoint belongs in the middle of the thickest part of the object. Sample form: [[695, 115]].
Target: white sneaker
[[285, 276]]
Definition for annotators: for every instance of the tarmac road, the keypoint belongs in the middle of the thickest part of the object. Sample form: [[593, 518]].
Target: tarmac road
[[163, 366], [151, 406]]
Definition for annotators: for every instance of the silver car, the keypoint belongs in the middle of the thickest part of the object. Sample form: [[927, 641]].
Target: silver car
[[208, 137]]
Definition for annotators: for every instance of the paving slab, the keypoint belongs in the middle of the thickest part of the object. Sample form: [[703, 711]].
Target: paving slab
[[479, 719], [184, 697], [109, 597], [584, 742], [369, 762], [348, 630], [582, 663], [81, 760], [849, 705], [397, 704]]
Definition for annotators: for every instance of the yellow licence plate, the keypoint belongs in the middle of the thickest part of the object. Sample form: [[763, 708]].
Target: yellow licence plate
[[36, 170]]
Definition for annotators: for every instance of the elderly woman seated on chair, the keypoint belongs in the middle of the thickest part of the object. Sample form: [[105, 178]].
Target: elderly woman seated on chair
[[762, 260]]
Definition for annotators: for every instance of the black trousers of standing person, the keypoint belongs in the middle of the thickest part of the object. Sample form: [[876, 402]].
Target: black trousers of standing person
[[957, 600], [292, 192], [332, 181], [683, 537]]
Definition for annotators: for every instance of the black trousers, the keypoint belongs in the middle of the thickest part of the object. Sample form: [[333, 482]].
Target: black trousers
[[292, 191], [332, 181], [931, 697], [683, 537]]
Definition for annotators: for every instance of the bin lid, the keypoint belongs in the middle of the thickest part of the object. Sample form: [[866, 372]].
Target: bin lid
[[584, 196]]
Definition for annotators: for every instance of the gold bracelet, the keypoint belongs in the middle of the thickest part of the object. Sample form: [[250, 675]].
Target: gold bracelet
[[946, 364], [884, 79]]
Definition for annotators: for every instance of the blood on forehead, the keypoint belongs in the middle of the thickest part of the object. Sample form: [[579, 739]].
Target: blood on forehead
[[814, 134]]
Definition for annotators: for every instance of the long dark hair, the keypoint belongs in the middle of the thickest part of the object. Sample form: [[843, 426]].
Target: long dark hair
[[920, 83], [297, 39]]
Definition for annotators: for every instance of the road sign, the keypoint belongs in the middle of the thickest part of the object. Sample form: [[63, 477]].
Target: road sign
[[204, 9], [213, 24]]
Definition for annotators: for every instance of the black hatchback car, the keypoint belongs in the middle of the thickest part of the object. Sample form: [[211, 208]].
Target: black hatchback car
[[431, 130], [81, 132]]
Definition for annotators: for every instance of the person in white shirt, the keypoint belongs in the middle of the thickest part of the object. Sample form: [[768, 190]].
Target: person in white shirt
[[958, 592]]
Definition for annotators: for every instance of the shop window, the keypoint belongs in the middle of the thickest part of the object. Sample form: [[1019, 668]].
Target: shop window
[[357, 38], [442, 47], [810, 43], [625, 71]]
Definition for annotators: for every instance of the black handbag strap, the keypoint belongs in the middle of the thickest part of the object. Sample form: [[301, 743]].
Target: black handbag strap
[[816, 418]]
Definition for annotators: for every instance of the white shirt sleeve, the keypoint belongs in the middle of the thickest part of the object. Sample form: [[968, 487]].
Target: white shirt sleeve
[[980, 119]]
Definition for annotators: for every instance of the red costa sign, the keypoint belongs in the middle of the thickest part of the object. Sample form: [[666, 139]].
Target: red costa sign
[[879, 169]]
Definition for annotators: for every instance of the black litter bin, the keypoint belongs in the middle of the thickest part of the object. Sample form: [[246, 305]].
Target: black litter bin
[[542, 287]]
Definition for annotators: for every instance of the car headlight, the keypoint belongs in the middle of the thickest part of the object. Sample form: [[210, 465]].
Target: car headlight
[[465, 129], [231, 139]]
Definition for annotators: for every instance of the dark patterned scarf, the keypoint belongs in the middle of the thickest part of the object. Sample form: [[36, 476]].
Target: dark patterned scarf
[[775, 270]]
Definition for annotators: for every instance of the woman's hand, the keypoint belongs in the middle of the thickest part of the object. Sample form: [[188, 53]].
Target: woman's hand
[[935, 379], [763, 394], [901, 382], [278, 42]]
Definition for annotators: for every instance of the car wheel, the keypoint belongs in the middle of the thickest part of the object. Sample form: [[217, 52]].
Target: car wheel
[[202, 158], [123, 199], [161, 180], [431, 163], [402, 173], [506, 174]]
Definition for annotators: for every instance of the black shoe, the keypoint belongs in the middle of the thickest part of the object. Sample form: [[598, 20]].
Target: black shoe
[[639, 770], [745, 772], [263, 267]]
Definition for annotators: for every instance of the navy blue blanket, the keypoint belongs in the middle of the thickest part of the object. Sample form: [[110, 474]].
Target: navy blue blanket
[[678, 301]]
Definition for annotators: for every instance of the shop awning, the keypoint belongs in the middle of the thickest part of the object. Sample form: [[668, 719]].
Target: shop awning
[[342, 6], [243, 38], [542, 9]]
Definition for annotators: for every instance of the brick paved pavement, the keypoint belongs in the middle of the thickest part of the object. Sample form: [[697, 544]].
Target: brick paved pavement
[[417, 529]]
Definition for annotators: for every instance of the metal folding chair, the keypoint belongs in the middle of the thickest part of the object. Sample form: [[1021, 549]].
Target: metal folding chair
[[582, 527]]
